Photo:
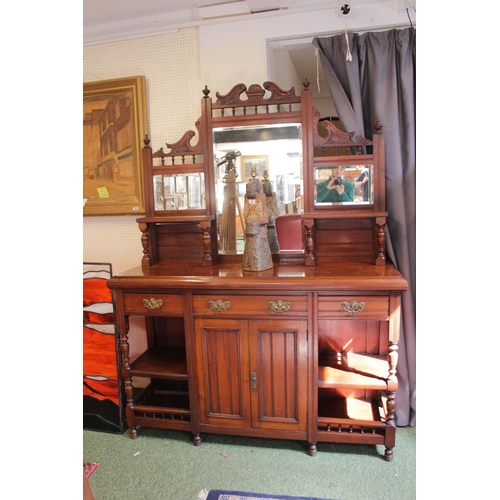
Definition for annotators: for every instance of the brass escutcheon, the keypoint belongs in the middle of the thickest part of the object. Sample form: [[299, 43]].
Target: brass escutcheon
[[279, 306], [152, 303], [219, 305], [353, 307]]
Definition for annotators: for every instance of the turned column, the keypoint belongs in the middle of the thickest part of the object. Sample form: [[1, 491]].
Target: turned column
[[380, 258], [206, 240], [122, 329], [309, 243], [392, 387], [146, 259]]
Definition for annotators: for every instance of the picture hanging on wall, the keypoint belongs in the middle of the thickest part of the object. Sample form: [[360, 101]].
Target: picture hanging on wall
[[248, 162], [114, 126]]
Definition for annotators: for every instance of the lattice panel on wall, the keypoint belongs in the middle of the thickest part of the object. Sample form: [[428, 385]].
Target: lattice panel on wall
[[171, 65]]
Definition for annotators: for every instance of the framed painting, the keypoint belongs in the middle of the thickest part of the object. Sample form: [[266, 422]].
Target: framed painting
[[248, 162], [114, 126]]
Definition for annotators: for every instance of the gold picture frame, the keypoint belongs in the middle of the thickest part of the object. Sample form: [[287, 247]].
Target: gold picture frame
[[114, 126], [261, 162]]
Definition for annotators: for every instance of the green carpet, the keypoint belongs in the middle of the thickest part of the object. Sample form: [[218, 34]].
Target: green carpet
[[244, 495], [165, 465]]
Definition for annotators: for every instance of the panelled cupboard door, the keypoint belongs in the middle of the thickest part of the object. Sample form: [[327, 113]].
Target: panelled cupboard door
[[252, 373], [223, 371], [278, 374]]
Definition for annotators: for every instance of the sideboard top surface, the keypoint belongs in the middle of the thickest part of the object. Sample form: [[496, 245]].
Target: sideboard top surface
[[343, 276]]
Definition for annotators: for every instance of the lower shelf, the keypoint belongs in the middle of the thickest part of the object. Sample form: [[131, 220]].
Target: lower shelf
[[351, 420], [348, 410], [157, 407]]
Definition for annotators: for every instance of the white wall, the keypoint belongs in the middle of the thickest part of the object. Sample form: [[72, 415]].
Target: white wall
[[224, 66]]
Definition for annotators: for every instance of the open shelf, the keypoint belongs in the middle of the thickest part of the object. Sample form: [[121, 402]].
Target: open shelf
[[351, 420], [158, 407], [352, 370], [346, 410], [161, 362]]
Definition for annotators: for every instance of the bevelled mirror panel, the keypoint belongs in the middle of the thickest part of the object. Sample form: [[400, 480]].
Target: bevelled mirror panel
[[272, 149], [343, 185], [179, 191]]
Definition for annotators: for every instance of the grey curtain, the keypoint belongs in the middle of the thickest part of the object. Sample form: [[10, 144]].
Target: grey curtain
[[379, 84]]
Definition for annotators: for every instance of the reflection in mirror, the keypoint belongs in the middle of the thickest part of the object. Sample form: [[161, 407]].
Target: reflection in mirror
[[343, 185], [179, 191], [276, 149]]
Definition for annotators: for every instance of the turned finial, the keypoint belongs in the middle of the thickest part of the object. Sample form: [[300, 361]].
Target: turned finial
[[378, 127], [306, 83], [146, 141], [206, 91]]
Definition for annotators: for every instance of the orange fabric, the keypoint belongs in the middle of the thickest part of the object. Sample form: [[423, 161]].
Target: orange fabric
[[99, 354], [95, 290], [99, 359], [99, 319], [106, 389]]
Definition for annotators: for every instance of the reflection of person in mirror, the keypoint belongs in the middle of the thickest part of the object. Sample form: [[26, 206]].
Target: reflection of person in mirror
[[335, 189], [362, 183]]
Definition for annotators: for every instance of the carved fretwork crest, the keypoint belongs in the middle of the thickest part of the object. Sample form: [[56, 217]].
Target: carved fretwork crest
[[183, 145], [335, 137], [255, 95], [278, 94], [233, 96]]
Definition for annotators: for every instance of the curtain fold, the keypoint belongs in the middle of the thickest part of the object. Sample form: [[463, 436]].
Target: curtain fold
[[379, 84]]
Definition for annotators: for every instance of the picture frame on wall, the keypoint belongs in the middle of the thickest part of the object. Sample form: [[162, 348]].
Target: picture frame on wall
[[114, 126], [260, 162]]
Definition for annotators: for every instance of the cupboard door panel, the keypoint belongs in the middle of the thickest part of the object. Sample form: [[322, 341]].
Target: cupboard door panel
[[278, 365], [222, 366]]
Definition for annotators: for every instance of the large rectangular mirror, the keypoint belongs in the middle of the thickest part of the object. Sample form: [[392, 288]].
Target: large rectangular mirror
[[274, 151], [343, 185]]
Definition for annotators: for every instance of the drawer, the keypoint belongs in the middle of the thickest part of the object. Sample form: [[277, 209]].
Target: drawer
[[154, 303], [248, 305], [363, 307]]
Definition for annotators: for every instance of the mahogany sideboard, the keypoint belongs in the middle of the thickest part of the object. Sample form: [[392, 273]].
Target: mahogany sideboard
[[304, 353], [306, 350]]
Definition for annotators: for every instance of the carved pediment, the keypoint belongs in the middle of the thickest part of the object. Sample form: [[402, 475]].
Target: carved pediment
[[334, 136]]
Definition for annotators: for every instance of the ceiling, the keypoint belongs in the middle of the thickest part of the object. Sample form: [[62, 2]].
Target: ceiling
[[99, 12], [111, 20]]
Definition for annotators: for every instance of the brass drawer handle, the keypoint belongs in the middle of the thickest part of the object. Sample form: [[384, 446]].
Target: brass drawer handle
[[219, 305], [152, 303], [279, 306], [353, 307]]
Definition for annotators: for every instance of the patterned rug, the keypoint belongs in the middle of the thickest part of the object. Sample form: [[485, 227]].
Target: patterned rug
[[89, 468], [242, 495]]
